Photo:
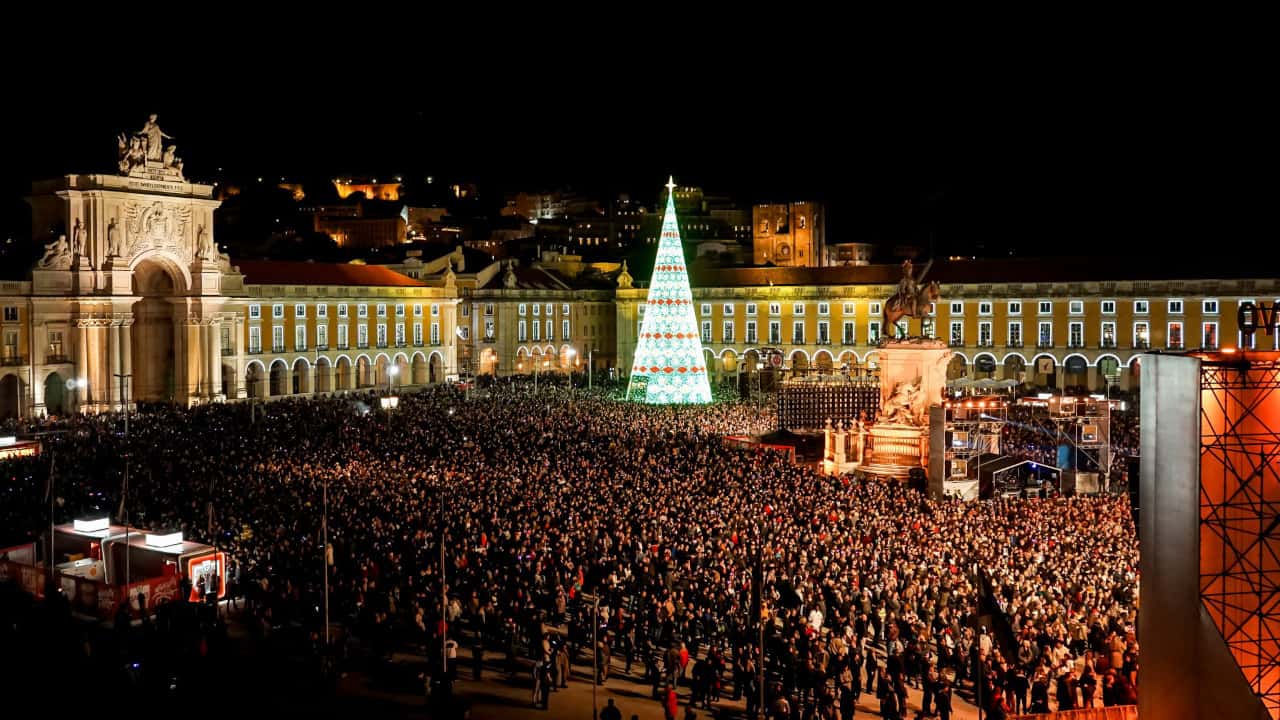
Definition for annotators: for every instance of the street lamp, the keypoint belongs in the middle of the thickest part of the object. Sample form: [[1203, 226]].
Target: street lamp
[[573, 355], [392, 372]]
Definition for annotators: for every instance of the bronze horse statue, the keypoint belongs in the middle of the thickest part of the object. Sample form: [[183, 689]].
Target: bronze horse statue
[[911, 299]]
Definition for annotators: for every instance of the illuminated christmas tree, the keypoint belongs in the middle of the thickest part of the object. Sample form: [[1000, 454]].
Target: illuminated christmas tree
[[669, 366]]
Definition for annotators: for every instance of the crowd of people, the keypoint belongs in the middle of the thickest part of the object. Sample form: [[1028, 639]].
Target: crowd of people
[[684, 542], [1031, 432]]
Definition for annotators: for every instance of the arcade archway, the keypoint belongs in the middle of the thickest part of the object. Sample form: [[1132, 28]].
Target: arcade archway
[[156, 283]]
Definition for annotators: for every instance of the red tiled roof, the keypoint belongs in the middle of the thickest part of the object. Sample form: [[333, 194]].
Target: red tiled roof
[[272, 272], [1099, 269]]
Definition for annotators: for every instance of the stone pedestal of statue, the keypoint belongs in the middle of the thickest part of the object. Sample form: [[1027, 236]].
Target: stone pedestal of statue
[[913, 378]]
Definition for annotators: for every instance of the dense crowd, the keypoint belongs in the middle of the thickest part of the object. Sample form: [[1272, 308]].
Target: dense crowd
[[867, 587], [1030, 433]]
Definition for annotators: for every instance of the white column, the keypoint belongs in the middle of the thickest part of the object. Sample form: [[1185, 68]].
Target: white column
[[213, 366], [126, 359], [82, 361], [113, 365]]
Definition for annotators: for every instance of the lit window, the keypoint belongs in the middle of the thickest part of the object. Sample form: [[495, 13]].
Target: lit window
[[277, 311], [1076, 307], [255, 312]]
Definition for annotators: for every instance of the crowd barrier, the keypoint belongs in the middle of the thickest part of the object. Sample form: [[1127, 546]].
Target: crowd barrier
[[1119, 712]]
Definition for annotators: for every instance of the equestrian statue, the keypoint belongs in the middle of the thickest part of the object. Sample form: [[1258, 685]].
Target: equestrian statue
[[913, 298]]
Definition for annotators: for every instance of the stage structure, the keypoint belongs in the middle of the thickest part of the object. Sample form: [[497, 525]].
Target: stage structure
[[813, 401], [1084, 427], [669, 366], [1210, 481], [971, 432]]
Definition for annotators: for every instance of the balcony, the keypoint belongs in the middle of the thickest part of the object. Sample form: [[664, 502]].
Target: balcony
[[1141, 344], [343, 346], [322, 348], [11, 360], [277, 348], [1013, 344], [254, 350], [362, 346], [1075, 345], [985, 344], [1108, 343], [228, 352], [55, 358], [955, 343], [1045, 345]]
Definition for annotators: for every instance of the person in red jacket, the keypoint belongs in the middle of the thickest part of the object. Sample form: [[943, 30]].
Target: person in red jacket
[[670, 703]]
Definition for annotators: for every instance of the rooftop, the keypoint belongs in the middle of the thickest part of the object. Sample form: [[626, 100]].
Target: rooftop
[[271, 272]]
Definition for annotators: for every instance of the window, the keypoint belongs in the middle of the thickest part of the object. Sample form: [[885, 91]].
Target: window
[[1209, 336], [537, 310], [1108, 334], [751, 309], [362, 310], [873, 332], [1046, 307], [1015, 308], [728, 310], [775, 308], [537, 329], [417, 334], [382, 310], [382, 335], [522, 310], [299, 311], [277, 339], [399, 310], [464, 332], [797, 308], [849, 309], [1015, 334], [564, 329], [11, 313], [255, 312], [1141, 307], [848, 333], [277, 311], [224, 340], [775, 332], [797, 332], [751, 332], [957, 333], [874, 309], [342, 337], [399, 334], [900, 329], [551, 335], [488, 329], [435, 310], [1175, 336], [927, 328], [488, 310], [984, 334], [727, 335], [1075, 335], [417, 310], [957, 308], [706, 310], [55, 345], [342, 310], [984, 308], [1045, 337], [435, 333], [706, 331], [1075, 307], [466, 310], [255, 339], [322, 310], [551, 309], [564, 310], [1108, 307], [1175, 307], [1141, 335], [824, 332], [824, 308], [322, 337], [362, 336], [300, 337], [1210, 307]]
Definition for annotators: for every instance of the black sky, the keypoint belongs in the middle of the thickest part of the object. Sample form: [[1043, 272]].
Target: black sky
[[1047, 166]]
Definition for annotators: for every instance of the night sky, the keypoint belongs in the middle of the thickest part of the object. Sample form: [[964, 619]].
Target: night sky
[[1063, 171]]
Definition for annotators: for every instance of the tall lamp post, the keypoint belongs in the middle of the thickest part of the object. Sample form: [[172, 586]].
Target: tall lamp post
[[595, 649], [392, 371]]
